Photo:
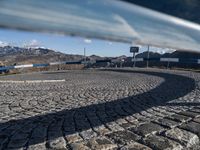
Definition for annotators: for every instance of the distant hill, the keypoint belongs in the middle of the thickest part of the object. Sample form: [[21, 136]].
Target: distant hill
[[185, 54], [16, 55], [187, 59], [175, 54], [151, 55]]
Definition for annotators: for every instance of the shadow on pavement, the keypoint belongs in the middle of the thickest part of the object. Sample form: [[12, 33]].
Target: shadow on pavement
[[54, 125]]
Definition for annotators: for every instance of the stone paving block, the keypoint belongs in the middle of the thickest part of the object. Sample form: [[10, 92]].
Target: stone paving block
[[195, 110], [167, 122], [101, 143], [184, 137], [135, 146], [189, 114], [121, 121], [17, 143], [72, 138], [178, 117], [156, 114], [39, 132], [114, 126], [147, 128], [79, 146], [123, 137], [15, 148], [161, 143], [19, 135], [132, 119], [69, 126], [28, 128], [127, 125], [33, 141], [192, 126], [57, 144], [149, 115], [140, 118], [163, 111], [88, 134], [101, 130], [196, 120], [3, 141], [40, 146], [54, 134]]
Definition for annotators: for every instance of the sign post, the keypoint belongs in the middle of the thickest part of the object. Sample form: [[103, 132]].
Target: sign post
[[148, 57], [134, 50]]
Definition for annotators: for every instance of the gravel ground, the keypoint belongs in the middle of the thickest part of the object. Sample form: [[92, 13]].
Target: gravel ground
[[140, 109]]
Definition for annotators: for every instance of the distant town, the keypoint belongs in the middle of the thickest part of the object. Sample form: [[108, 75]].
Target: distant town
[[12, 56]]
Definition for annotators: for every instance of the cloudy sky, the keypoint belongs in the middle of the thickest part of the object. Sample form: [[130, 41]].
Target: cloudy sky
[[67, 44]]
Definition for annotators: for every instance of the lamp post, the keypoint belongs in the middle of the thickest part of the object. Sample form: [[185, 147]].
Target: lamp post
[[84, 55], [148, 56]]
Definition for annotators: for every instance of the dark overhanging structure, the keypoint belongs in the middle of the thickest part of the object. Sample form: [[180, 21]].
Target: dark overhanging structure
[[109, 20]]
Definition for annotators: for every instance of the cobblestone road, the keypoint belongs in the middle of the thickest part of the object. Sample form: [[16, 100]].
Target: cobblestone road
[[101, 109]]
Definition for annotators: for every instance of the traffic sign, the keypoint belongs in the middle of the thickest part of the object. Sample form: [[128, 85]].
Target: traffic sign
[[134, 49]]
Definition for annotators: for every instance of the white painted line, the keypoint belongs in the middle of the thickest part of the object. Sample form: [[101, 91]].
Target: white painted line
[[31, 81], [43, 81]]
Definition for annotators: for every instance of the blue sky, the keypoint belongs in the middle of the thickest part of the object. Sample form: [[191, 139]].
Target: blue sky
[[66, 44]]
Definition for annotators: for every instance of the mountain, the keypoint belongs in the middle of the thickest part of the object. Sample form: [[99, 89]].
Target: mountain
[[94, 57], [187, 59], [176, 54], [11, 50], [151, 55], [185, 55], [15, 55]]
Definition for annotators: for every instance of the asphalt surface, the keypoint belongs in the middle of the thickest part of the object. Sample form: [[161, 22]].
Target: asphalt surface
[[138, 109]]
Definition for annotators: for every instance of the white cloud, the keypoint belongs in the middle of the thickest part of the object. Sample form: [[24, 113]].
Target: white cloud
[[88, 41], [2, 44], [33, 43], [140, 46]]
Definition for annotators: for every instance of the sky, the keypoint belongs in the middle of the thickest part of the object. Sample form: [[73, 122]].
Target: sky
[[68, 44]]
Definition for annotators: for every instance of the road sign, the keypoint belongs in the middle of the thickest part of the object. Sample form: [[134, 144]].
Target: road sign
[[134, 49]]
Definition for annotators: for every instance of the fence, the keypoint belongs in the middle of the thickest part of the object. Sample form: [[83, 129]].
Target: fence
[[157, 60]]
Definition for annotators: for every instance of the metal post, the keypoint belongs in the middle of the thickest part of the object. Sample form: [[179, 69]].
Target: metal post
[[134, 60], [84, 54], [168, 64], [148, 57]]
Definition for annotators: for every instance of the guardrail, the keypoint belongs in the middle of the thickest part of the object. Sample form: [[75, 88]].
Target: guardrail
[[37, 65], [175, 60]]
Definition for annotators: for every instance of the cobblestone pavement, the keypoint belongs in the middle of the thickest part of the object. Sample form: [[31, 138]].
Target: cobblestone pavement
[[101, 109]]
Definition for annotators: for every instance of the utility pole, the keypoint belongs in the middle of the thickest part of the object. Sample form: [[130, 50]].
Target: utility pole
[[84, 56], [148, 56]]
